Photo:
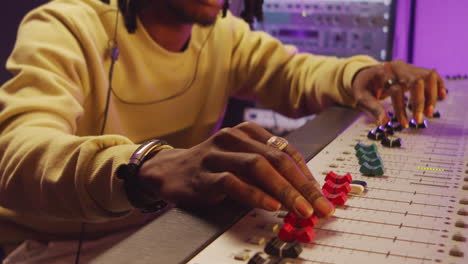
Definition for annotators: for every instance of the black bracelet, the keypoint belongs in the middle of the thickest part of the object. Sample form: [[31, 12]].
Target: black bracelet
[[139, 196]]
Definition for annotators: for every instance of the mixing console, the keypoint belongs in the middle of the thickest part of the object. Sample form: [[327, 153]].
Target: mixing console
[[416, 212]]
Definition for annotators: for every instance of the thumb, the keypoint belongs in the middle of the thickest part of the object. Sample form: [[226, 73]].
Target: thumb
[[370, 104]]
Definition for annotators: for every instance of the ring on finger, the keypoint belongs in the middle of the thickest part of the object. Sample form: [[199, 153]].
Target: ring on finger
[[389, 83], [277, 142]]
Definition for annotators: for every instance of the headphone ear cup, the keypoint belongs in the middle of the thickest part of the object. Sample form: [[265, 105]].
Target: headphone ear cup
[[226, 5]]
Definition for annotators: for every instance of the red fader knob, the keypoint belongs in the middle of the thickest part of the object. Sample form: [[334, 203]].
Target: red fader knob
[[336, 199], [336, 188], [333, 177], [307, 222], [305, 235], [290, 218], [287, 232], [293, 220]]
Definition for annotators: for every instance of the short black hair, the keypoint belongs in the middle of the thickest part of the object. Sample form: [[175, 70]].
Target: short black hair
[[130, 9]]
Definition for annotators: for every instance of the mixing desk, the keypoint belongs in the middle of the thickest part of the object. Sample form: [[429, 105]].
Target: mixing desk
[[416, 212]]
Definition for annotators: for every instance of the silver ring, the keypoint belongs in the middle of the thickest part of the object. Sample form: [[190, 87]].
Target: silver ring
[[389, 83], [277, 142]]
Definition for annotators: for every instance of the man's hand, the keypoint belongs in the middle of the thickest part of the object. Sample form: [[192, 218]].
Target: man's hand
[[236, 162], [394, 79]]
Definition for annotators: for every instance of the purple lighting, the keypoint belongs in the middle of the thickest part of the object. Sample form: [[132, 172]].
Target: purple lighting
[[441, 36]]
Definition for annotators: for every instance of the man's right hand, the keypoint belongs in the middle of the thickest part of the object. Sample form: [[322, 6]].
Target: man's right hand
[[236, 162]]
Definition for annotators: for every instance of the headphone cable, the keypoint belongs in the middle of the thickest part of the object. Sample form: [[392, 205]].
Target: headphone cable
[[114, 57]]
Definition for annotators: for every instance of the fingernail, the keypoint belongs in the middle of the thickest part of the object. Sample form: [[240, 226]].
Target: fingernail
[[430, 111], [303, 207], [404, 123], [272, 205], [324, 206]]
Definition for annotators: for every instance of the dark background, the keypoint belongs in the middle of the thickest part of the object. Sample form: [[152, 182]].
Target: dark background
[[10, 19]]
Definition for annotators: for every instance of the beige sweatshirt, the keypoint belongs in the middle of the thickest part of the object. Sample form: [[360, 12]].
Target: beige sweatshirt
[[56, 171]]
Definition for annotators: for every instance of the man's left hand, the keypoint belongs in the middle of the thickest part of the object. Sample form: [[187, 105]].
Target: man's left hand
[[394, 79]]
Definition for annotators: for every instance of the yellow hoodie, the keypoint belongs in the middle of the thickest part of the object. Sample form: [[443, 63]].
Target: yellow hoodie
[[56, 171]]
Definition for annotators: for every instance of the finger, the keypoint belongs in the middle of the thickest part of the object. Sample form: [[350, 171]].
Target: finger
[[417, 100], [261, 135], [368, 103], [431, 94], [399, 107], [386, 75], [442, 91], [310, 189], [245, 193], [255, 169]]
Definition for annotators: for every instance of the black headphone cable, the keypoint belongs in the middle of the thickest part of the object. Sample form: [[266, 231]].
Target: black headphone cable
[[114, 54]]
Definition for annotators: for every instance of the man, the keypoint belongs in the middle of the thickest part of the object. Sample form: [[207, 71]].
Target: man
[[70, 117]]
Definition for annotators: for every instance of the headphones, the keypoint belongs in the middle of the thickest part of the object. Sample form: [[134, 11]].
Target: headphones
[[253, 11]]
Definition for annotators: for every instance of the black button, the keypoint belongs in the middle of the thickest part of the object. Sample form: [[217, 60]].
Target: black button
[[423, 124], [374, 135], [389, 131], [386, 142], [380, 129], [259, 258], [398, 127], [278, 248], [391, 143], [413, 124], [396, 143]]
